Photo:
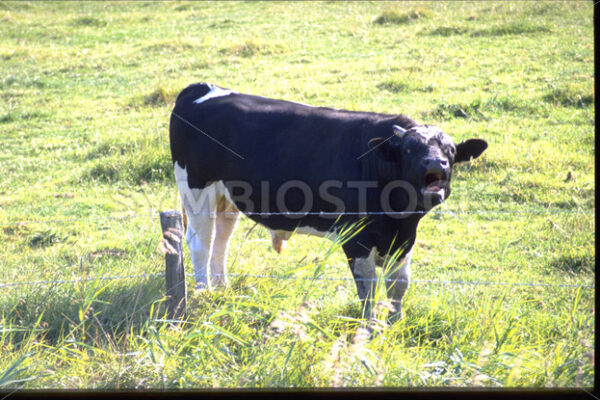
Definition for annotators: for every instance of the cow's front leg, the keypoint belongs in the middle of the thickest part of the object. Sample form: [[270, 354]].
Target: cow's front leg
[[396, 282], [363, 270]]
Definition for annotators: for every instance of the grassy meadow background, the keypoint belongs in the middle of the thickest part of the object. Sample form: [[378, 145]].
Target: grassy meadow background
[[85, 95]]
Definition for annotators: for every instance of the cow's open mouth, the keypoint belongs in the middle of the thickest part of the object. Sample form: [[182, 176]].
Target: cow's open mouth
[[433, 186]]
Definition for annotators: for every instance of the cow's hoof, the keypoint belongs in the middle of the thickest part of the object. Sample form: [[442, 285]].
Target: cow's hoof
[[202, 286], [219, 284]]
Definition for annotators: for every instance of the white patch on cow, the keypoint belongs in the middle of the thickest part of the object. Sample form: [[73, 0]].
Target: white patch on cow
[[441, 192], [194, 199], [215, 91], [402, 269], [211, 220], [365, 266]]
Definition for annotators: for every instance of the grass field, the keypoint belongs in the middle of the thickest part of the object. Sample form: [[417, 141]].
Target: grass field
[[85, 95]]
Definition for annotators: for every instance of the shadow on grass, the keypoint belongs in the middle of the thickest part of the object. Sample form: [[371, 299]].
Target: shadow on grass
[[400, 86], [93, 311], [145, 167], [516, 28], [251, 48], [397, 17], [88, 21], [21, 116], [570, 97], [446, 31], [478, 108], [574, 264], [159, 97]]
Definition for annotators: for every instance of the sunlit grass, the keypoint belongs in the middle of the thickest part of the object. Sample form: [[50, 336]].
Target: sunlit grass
[[85, 95]]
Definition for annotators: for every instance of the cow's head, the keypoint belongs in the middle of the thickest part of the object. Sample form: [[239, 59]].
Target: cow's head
[[424, 157]]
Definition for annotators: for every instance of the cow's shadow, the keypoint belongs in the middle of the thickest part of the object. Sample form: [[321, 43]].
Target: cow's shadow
[[89, 311]]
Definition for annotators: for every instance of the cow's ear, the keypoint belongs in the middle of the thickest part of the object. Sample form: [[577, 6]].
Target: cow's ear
[[469, 149], [383, 148]]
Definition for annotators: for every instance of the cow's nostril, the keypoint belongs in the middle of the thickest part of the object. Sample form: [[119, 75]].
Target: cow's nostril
[[444, 163]]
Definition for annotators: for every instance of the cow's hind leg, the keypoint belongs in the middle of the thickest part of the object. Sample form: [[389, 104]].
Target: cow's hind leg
[[199, 206], [226, 220], [199, 210], [200, 235]]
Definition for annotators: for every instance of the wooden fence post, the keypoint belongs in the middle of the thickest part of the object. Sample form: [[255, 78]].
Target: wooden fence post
[[170, 222]]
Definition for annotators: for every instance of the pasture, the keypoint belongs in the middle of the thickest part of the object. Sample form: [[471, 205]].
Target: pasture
[[503, 292]]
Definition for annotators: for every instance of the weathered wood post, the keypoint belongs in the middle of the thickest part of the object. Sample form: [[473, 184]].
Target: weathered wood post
[[170, 222]]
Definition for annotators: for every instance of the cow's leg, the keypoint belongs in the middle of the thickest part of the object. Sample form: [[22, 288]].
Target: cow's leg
[[227, 218], [397, 280], [199, 208], [363, 270], [200, 235]]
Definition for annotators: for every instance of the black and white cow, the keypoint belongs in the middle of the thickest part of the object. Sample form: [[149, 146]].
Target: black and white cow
[[293, 167]]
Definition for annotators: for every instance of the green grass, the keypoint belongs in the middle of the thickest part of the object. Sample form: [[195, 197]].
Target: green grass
[[85, 95]]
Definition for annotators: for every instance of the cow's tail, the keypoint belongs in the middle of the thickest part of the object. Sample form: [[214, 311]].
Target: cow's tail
[[184, 219]]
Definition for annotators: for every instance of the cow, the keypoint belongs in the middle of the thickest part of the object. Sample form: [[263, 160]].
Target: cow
[[292, 167]]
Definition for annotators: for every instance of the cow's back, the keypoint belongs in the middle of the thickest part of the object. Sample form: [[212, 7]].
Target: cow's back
[[252, 138]]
